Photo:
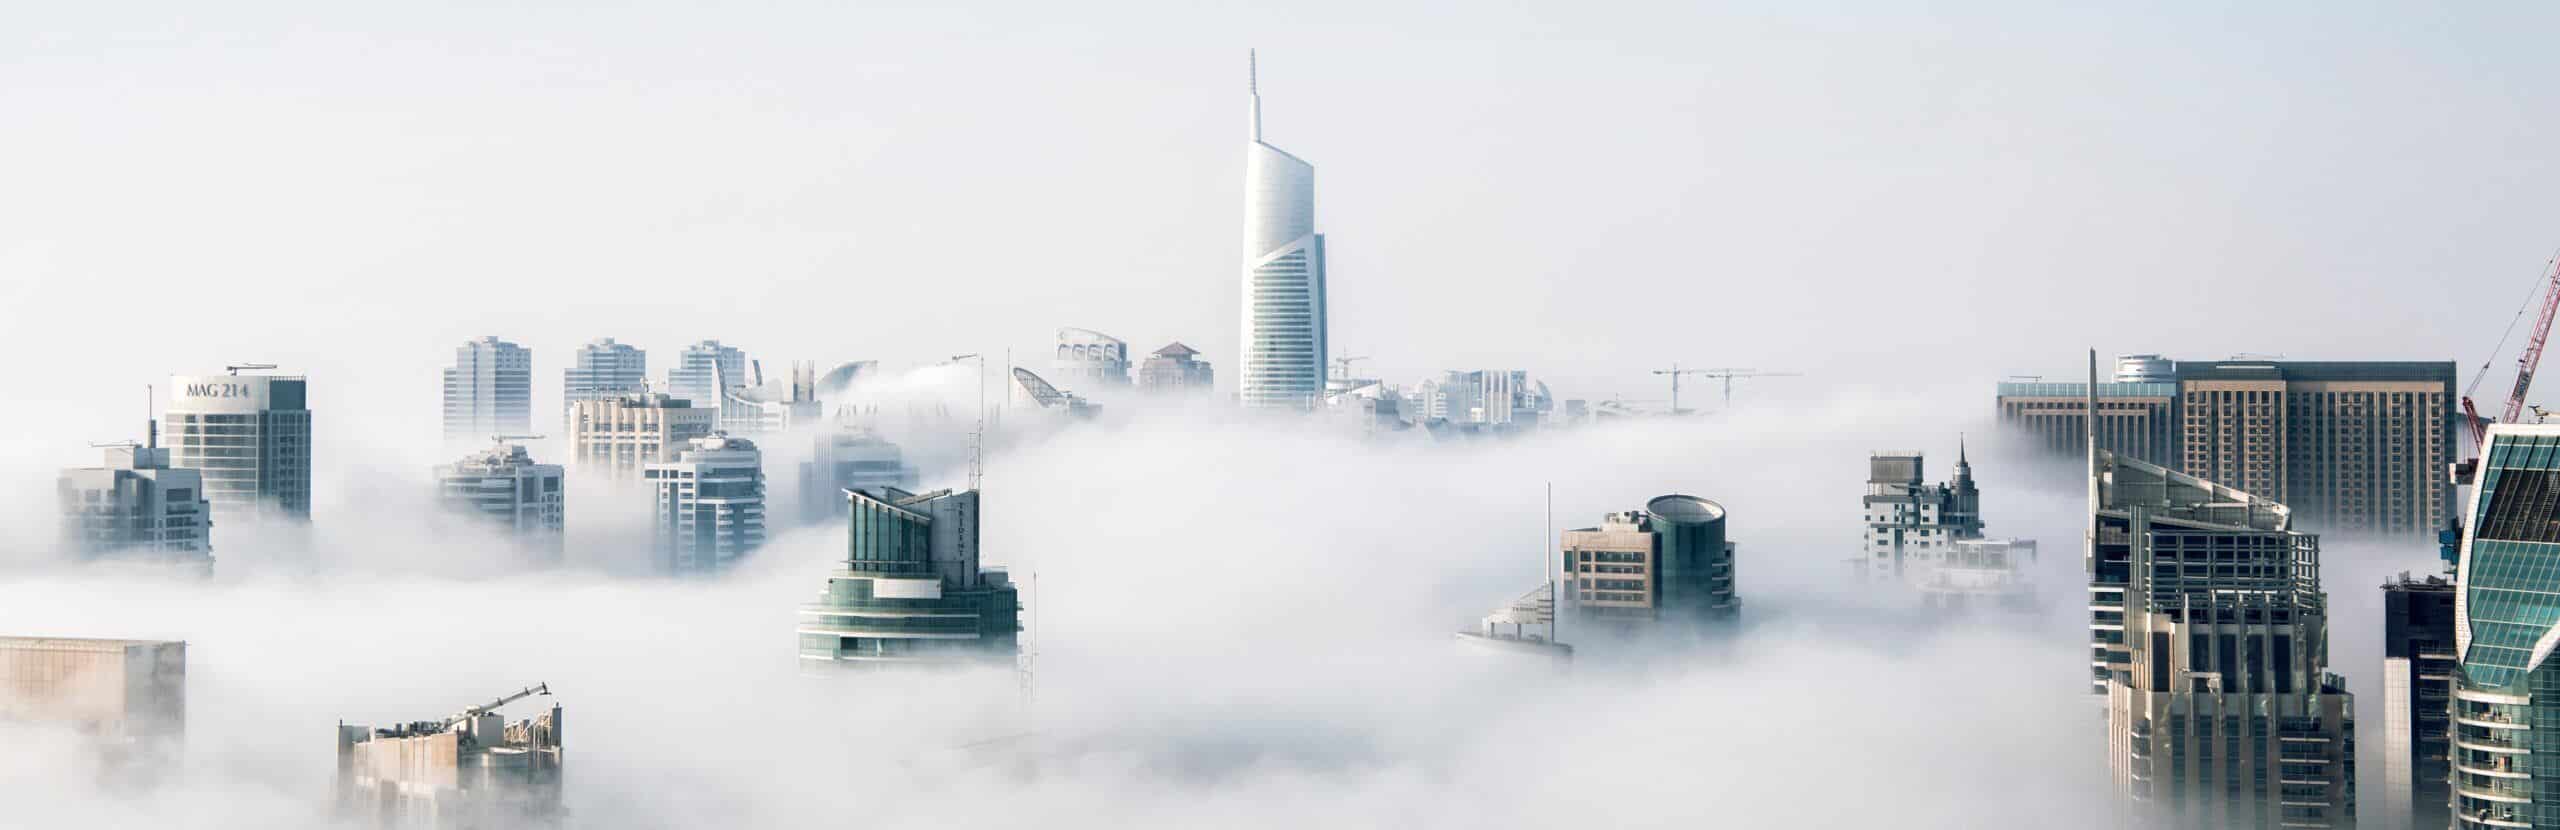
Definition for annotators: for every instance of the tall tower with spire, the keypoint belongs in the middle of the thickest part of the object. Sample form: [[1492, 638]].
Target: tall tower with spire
[[1282, 344]]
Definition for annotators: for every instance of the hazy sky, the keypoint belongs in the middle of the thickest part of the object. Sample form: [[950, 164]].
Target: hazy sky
[[1905, 204], [1587, 190]]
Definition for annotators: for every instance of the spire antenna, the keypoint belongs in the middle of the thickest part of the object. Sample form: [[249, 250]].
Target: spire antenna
[[1253, 90]]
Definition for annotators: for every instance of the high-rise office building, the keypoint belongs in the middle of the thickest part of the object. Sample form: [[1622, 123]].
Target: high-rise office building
[[1669, 562], [250, 438], [849, 459], [136, 505], [622, 434], [709, 505], [1089, 360], [702, 370], [1176, 367], [2353, 447], [2137, 419], [1282, 352], [2506, 695], [488, 391], [2209, 638], [605, 369], [2418, 664], [912, 590], [502, 486], [2210, 642]]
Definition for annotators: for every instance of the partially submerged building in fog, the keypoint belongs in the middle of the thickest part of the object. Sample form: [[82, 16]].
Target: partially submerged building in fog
[[1090, 360], [249, 436], [504, 488], [471, 770], [137, 506], [708, 505], [1176, 367], [849, 459], [1524, 626], [1667, 563], [625, 433], [1929, 537], [2418, 665], [2210, 641], [911, 590], [126, 692]]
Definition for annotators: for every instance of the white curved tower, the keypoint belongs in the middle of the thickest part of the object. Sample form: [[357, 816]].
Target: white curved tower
[[1282, 354]]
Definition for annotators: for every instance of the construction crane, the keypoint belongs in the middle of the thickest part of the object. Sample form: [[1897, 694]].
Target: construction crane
[[236, 367], [476, 711], [2526, 363], [1727, 374]]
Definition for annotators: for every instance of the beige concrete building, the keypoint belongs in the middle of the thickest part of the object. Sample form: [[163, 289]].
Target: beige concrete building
[[120, 690], [624, 434], [471, 770], [2209, 639], [2352, 447], [1667, 563]]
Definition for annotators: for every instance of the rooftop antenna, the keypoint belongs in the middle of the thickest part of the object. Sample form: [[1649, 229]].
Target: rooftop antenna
[[1253, 88], [150, 416], [1555, 586]]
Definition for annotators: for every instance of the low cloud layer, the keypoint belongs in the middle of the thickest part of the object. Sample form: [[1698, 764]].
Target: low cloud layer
[[1240, 623]]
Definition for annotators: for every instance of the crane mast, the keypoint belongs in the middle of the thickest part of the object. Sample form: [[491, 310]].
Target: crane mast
[[2526, 364], [2532, 357]]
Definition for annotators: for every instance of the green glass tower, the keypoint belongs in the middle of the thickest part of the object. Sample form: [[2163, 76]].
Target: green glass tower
[[2506, 699], [911, 590]]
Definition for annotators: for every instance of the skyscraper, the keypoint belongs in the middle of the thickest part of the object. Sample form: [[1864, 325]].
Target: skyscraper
[[2352, 447], [250, 437], [623, 434], [2356, 447], [911, 590], [488, 391], [2209, 639], [1282, 353], [2418, 664], [502, 486], [1669, 562], [137, 505], [605, 369], [701, 370], [709, 505], [2506, 695]]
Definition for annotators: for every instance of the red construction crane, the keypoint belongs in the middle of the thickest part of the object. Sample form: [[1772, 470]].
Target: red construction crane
[[2525, 363]]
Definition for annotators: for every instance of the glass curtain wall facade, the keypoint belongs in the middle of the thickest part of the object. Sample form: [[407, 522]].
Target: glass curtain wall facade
[[2506, 709], [911, 590], [1282, 353], [488, 391], [250, 438]]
